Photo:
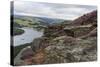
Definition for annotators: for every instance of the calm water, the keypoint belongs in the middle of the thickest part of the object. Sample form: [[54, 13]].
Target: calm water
[[28, 36]]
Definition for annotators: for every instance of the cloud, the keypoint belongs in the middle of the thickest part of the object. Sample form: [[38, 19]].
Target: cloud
[[61, 11]]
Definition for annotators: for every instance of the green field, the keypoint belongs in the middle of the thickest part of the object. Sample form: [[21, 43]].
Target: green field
[[17, 31]]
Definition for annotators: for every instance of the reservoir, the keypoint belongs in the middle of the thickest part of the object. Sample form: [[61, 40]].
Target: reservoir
[[27, 37]]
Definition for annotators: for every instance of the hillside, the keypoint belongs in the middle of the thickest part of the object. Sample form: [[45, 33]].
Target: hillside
[[90, 18], [64, 43], [43, 20], [35, 22]]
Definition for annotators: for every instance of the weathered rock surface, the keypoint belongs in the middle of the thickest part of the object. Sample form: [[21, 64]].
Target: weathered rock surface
[[67, 49]]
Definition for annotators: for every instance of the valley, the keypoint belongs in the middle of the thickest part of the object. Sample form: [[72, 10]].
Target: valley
[[62, 42]]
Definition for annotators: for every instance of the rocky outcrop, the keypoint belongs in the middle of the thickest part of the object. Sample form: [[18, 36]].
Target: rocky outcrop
[[79, 27]]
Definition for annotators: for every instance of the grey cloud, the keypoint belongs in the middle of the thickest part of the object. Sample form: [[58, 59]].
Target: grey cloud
[[61, 11]]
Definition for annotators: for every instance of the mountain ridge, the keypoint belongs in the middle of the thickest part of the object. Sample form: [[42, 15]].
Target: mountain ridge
[[45, 19]]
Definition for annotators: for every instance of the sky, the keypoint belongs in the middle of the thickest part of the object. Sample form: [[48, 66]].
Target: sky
[[51, 10]]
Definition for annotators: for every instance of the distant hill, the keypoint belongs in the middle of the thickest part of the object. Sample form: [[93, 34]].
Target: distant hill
[[50, 20], [41, 19]]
